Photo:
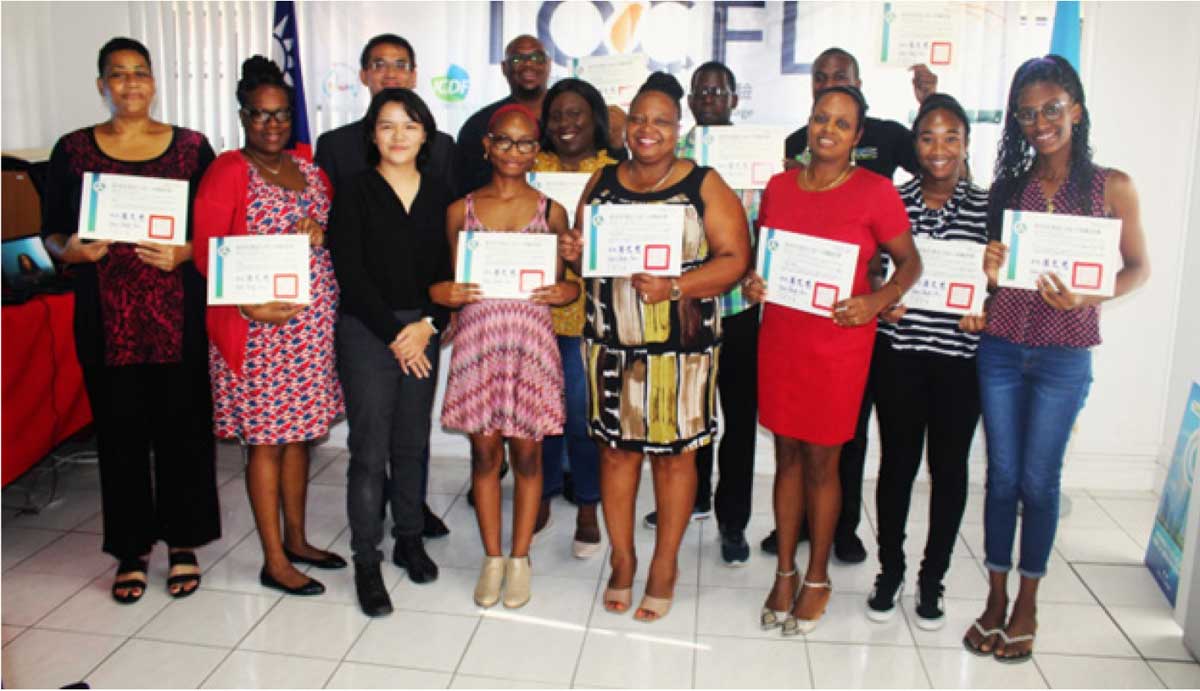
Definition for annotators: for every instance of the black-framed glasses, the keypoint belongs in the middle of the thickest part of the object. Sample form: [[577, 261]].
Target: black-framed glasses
[[381, 65], [1052, 111], [712, 92], [537, 57], [261, 117], [503, 143]]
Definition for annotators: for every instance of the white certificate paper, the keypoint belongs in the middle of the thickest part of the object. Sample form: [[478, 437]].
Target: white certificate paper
[[626, 239], [506, 265], [806, 273], [952, 281], [616, 77], [564, 188], [133, 208], [746, 156], [256, 269], [1084, 251]]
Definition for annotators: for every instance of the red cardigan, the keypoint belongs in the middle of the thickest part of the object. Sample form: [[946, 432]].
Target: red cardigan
[[220, 210]]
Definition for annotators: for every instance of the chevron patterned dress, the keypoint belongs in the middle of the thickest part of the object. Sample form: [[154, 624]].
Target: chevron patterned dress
[[506, 375]]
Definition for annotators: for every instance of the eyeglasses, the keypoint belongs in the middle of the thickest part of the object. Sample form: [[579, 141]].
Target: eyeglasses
[[537, 57], [712, 92], [1052, 111], [261, 117], [503, 143], [381, 65]]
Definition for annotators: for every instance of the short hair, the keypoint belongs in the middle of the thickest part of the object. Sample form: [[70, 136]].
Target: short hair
[[519, 109], [120, 43], [595, 101], [715, 66], [941, 102], [860, 101], [416, 109], [666, 84], [387, 39], [842, 53], [258, 71]]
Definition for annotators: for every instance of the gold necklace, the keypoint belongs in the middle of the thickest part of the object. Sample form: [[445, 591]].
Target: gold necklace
[[836, 181], [263, 165], [670, 169]]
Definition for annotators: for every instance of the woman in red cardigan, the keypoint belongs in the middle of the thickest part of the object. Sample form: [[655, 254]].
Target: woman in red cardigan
[[272, 365]]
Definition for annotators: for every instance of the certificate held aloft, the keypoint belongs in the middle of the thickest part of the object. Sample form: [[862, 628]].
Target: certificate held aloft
[[804, 272], [1083, 251], [257, 269], [952, 280], [746, 156], [133, 208], [507, 266], [627, 239], [616, 77]]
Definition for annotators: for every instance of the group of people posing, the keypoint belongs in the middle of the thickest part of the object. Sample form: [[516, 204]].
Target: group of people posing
[[588, 375]]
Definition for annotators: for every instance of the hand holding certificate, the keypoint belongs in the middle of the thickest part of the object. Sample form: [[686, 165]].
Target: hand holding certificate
[[506, 265], [1082, 251], [746, 156], [952, 281], [258, 269], [133, 208], [627, 239], [805, 273], [564, 188]]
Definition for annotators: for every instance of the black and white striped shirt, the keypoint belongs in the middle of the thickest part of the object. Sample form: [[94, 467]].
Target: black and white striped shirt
[[963, 217]]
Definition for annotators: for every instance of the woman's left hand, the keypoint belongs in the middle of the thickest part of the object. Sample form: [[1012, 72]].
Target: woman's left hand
[[163, 257], [856, 311], [555, 294], [651, 289], [314, 231], [1057, 294], [410, 343]]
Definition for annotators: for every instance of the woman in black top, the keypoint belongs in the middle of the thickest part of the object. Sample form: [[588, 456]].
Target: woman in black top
[[388, 243]]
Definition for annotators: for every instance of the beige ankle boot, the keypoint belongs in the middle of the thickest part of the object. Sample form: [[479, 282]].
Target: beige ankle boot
[[517, 575], [491, 577]]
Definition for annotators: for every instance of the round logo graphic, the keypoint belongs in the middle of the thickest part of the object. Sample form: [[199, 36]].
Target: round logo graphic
[[453, 86], [224, 250], [98, 186], [341, 86], [473, 244], [1019, 228], [773, 245]]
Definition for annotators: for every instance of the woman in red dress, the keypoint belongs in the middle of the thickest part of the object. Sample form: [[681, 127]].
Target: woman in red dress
[[813, 369]]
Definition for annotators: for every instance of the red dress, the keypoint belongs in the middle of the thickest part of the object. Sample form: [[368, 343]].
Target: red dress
[[812, 372]]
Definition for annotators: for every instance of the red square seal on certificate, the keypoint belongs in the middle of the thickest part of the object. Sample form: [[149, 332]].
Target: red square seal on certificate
[[286, 286], [656, 257], [940, 52], [1086, 275], [960, 295], [161, 228], [825, 296], [530, 279]]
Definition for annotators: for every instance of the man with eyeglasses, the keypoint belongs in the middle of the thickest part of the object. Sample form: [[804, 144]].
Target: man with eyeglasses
[[712, 100], [885, 146], [526, 68], [388, 62]]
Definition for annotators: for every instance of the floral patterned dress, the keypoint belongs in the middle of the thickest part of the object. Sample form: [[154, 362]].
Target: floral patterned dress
[[289, 391]]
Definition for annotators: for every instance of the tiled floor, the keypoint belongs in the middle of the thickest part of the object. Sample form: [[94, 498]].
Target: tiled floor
[[1103, 621]]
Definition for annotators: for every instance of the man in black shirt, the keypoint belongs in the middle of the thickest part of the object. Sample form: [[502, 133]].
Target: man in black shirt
[[388, 61], [526, 68]]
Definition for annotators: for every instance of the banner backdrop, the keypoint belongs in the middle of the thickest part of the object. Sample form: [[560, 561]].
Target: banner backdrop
[[973, 47]]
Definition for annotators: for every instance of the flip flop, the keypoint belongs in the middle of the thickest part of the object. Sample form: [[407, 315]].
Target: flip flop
[[985, 634], [1015, 659]]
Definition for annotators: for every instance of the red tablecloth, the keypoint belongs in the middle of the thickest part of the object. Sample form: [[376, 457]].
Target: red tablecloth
[[44, 401]]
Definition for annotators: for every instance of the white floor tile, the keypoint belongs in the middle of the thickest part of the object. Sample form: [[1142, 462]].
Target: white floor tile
[[959, 616], [290, 628], [563, 600], [845, 621], [1134, 515], [631, 660], [1075, 672], [1153, 631], [451, 593], [11, 632], [722, 612], [248, 670], [93, 610], [959, 669], [69, 509], [52, 659], [356, 675], [1086, 513], [862, 666], [1079, 630], [1060, 584], [21, 543], [74, 554], [736, 663], [209, 617], [27, 597], [502, 648], [1098, 545], [470, 681], [1177, 675], [156, 665], [238, 570], [1122, 586], [422, 640], [681, 619]]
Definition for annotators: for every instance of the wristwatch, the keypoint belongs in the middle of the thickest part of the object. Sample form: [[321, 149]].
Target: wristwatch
[[676, 292]]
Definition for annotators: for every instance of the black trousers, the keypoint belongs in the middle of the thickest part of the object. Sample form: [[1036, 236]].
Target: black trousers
[[737, 383], [166, 408], [923, 395], [389, 414]]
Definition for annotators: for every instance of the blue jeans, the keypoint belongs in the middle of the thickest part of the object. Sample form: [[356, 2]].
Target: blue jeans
[[579, 449], [1030, 398]]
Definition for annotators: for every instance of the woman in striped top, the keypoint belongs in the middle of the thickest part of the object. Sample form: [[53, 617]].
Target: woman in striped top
[[1035, 360], [924, 374]]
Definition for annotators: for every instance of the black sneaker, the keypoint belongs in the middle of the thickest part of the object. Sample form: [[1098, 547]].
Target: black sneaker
[[699, 513], [372, 595], [434, 527], [770, 543], [849, 549], [735, 551], [881, 605], [931, 613]]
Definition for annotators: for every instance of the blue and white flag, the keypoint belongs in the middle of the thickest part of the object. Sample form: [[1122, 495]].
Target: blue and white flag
[[287, 54]]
